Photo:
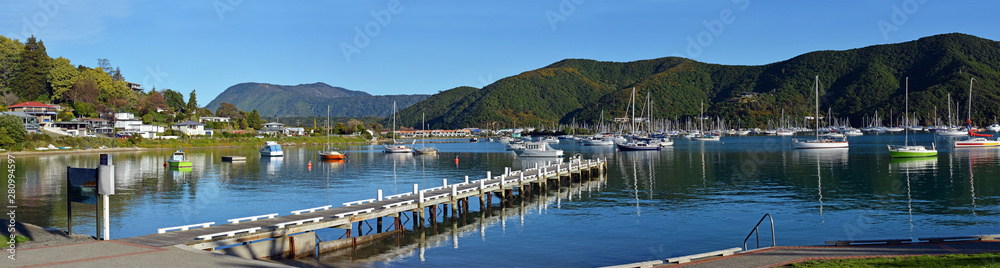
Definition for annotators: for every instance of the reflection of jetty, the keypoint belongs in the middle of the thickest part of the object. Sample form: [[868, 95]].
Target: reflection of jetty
[[270, 236]]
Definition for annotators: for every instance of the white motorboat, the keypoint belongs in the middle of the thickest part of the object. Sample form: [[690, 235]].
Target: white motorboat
[[271, 149], [538, 149], [994, 128], [854, 132], [598, 141]]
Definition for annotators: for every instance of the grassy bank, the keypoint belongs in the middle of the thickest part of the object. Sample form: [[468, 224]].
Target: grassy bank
[[954, 260]]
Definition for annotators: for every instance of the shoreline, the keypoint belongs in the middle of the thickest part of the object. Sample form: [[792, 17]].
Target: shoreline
[[141, 149]]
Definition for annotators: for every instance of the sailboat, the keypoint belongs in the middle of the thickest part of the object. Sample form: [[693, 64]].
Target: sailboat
[[702, 136], [329, 153], [424, 149], [636, 144], [395, 148], [910, 150], [975, 139], [819, 143]]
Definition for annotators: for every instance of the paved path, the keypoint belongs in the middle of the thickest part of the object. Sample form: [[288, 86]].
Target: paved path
[[780, 256], [54, 248], [113, 253]]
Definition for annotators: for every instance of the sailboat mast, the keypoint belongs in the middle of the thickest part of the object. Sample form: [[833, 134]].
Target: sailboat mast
[[970, 102], [816, 115], [632, 129], [906, 93]]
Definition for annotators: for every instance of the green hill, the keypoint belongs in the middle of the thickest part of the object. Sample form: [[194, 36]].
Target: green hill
[[855, 83], [309, 100]]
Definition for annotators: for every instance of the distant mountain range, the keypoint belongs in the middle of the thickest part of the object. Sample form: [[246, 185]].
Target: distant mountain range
[[310, 100], [854, 83]]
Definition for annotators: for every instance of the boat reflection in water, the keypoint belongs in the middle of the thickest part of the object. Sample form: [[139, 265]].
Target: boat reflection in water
[[272, 165]]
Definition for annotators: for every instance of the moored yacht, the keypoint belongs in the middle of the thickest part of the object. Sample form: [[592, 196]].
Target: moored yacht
[[538, 149]]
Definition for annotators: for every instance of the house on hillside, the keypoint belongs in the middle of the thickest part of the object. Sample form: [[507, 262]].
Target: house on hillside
[[273, 129], [75, 127], [45, 113], [133, 86], [190, 128], [30, 121], [206, 119]]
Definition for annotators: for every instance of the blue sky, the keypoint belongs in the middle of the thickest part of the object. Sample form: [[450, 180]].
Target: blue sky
[[422, 47]]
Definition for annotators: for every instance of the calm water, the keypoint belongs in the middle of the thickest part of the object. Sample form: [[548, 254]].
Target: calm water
[[691, 198]]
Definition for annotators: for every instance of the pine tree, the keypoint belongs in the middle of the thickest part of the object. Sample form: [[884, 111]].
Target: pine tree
[[30, 82]]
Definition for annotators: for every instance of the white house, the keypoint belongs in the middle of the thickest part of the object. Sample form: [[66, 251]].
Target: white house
[[191, 128], [213, 119]]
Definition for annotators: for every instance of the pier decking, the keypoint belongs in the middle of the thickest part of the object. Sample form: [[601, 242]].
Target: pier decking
[[420, 202]]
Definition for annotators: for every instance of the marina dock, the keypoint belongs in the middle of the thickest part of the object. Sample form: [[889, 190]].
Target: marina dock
[[274, 235]]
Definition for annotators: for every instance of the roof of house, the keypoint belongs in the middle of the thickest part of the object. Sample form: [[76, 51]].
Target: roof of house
[[189, 123], [274, 124], [31, 104], [94, 119], [19, 114]]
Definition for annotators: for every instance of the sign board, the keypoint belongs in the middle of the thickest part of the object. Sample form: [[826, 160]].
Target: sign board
[[82, 185], [106, 160]]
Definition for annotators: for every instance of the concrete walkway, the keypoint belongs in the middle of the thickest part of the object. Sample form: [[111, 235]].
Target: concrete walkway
[[779, 256], [55, 248], [113, 253]]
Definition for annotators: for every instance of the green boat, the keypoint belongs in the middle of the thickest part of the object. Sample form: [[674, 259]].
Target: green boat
[[906, 150], [897, 151], [177, 161]]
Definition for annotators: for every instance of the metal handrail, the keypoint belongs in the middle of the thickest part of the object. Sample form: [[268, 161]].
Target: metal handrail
[[755, 227]]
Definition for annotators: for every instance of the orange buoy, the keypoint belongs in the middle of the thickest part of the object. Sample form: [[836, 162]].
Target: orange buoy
[[310, 165], [456, 160]]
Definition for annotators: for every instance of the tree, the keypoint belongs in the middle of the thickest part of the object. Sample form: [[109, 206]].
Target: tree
[[203, 112], [62, 77], [228, 110], [10, 55], [375, 127], [104, 64], [11, 126], [8, 99], [352, 125], [174, 100], [84, 90], [30, 82], [116, 75], [340, 129], [83, 109], [192, 105], [254, 121], [151, 102]]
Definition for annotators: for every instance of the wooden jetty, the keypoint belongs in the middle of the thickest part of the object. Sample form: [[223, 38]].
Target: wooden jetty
[[272, 236]]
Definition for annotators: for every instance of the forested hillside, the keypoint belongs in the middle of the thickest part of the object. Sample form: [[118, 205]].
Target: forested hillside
[[855, 83], [309, 100]]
